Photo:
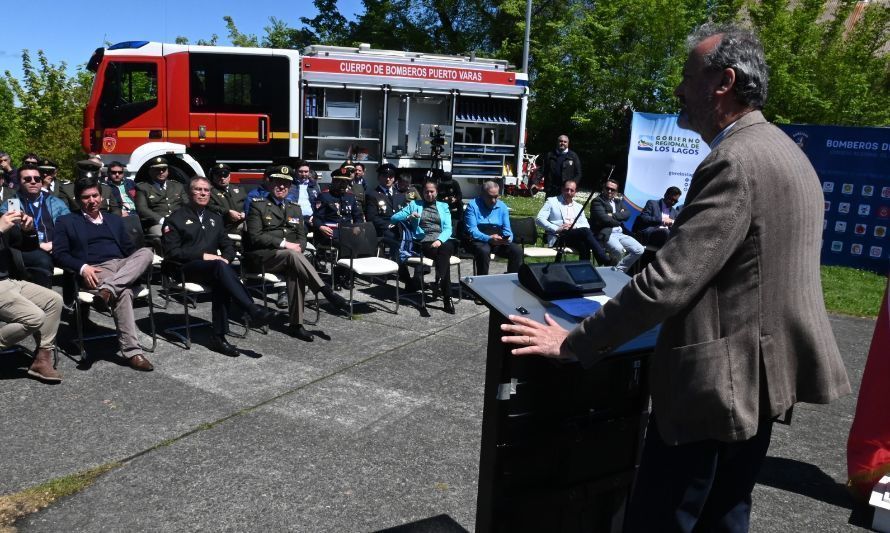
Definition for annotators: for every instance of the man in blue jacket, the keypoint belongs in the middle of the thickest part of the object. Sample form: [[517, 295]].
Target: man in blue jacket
[[44, 209], [488, 227], [95, 245]]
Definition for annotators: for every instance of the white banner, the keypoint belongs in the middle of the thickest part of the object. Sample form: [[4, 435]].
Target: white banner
[[661, 154]]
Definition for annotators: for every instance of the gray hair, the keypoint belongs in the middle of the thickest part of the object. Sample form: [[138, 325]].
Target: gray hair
[[489, 185], [740, 50]]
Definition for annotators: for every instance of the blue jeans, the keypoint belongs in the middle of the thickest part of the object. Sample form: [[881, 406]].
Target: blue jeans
[[617, 243]]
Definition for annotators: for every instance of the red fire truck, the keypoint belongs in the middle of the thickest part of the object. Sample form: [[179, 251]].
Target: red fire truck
[[253, 107]]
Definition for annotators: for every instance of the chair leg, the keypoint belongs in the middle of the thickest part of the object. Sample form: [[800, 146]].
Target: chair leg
[[351, 290], [151, 320], [78, 322]]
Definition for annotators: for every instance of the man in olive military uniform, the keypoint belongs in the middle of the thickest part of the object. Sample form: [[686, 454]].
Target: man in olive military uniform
[[192, 238], [159, 197], [64, 190], [276, 236], [227, 200], [359, 186]]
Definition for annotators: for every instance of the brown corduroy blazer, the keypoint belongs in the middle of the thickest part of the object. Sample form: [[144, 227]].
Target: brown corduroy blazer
[[744, 333]]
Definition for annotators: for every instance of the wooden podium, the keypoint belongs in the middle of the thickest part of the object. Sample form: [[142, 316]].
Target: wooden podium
[[560, 444]]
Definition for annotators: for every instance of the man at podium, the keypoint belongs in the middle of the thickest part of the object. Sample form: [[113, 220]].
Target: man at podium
[[744, 332]]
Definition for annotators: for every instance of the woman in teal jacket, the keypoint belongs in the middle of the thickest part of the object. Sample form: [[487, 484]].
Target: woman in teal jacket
[[429, 224]]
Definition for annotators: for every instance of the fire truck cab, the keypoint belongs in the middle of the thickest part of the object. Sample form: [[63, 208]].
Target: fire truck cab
[[253, 107]]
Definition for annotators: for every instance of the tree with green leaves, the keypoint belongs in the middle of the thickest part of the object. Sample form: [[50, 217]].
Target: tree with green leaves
[[50, 110]]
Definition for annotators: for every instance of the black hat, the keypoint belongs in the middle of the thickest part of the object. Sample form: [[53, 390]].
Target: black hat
[[158, 162], [88, 165], [283, 172], [386, 169], [46, 165], [220, 169]]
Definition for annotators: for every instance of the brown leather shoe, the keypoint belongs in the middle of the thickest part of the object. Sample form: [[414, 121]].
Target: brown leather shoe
[[139, 362], [104, 301], [42, 367]]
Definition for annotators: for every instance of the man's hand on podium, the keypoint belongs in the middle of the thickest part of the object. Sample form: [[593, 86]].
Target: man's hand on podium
[[536, 338]]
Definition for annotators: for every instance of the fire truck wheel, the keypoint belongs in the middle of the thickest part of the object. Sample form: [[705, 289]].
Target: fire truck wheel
[[179, 175]]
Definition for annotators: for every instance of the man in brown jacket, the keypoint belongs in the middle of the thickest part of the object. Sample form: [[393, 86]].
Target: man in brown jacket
[[744, 332]]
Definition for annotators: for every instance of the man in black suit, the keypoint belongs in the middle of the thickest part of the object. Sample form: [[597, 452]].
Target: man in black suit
[[559, 165], [607, 217], [193, 237], [95, 245], [653, 225]]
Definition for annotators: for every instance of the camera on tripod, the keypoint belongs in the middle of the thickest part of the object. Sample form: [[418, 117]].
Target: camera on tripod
[[434, 141]]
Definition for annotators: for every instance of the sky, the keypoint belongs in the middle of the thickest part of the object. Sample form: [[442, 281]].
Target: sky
[[70, 30]]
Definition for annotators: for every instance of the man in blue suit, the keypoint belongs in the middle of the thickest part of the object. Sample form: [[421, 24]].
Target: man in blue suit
[[653, 225], [96, 246]]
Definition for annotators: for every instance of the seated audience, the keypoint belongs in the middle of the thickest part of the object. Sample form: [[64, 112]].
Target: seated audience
[[276, 236], [488, 230], [607, 215], [305, 191], [450, 193], [122, 187], [653, 225], [429, 225], [44, 209], [159, 197], [193, 237], [64, 189], [26, 309], [227, 200], [96, 246], [556, 217]]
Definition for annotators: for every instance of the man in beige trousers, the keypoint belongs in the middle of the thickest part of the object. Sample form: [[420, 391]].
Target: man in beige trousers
[[26, 309]]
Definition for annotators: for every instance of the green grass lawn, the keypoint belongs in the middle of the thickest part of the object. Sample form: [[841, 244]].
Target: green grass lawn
[[847, 291]]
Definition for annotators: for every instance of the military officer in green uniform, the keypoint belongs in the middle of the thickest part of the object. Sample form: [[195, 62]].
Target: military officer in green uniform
[[276, 237], [64, 190], [227, 200], [159, 197]]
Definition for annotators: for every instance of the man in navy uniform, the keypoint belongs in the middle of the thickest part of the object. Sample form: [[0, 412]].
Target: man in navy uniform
[[194, 236]]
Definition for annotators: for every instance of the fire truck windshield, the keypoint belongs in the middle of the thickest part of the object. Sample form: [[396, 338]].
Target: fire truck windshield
[[129, 90]]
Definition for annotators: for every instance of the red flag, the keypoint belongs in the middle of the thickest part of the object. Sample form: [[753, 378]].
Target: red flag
[[868, 447]]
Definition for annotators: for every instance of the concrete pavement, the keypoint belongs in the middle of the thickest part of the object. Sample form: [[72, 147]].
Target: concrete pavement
[[377, 427]]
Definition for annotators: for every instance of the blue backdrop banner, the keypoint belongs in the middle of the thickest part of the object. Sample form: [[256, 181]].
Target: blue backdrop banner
[[661, 154], [854, 167]]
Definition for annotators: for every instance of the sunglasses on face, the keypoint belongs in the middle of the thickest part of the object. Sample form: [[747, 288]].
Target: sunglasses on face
[[31, 179], [115, 171]]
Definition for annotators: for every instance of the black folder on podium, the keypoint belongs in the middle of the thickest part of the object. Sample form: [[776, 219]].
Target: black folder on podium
[[560, 444]]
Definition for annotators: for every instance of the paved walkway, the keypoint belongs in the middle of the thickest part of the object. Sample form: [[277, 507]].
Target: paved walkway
[[377, 427]]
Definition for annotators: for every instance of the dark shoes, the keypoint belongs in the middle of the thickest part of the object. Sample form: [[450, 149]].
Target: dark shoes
[[262, 316], [104, 300], [42, 367], [139, 362], [301, 333], [282, 300], [449, 305], [221, 345]]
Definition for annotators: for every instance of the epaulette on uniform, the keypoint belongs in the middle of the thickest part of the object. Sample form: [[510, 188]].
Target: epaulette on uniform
[[259, 199]]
